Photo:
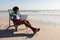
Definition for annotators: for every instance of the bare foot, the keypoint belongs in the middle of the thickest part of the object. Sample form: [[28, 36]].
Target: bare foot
[[36, 30]]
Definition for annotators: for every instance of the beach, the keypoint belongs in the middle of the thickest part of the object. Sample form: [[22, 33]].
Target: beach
[[47, 31], [43, 14], [49, 25]]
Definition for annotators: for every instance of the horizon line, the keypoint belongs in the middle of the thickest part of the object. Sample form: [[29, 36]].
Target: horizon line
[[22, 10]]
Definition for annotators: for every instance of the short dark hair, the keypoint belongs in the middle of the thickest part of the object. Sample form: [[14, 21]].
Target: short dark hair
[[14, 8]]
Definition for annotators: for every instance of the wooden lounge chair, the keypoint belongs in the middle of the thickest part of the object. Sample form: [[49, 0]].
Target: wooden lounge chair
[[23, 17]]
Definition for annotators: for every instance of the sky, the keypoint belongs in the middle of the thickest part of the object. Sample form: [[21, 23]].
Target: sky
[[30, 4]]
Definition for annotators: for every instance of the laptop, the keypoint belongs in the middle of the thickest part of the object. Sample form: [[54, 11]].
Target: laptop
[[23, 17]]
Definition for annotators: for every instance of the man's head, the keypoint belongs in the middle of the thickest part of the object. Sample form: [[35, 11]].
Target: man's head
[[15, 9]]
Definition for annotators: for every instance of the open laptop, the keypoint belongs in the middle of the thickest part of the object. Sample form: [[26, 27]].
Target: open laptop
[[23, 17]]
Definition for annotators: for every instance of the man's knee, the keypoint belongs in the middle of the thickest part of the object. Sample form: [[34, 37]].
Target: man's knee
[[26, 20]]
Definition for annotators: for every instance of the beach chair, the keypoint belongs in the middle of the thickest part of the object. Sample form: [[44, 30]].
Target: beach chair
[[23, 17]]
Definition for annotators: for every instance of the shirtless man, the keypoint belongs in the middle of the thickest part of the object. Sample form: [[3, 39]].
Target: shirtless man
[[18, 21]]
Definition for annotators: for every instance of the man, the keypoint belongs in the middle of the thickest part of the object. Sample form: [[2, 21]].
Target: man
[[15, 17]]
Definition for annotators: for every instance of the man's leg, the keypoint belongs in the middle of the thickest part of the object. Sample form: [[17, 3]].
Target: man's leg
[[27, 24], [16, 26]]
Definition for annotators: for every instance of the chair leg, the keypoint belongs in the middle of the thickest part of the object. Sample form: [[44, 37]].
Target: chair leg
[[10, 26]]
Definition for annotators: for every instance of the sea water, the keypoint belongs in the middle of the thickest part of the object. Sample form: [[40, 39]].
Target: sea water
[[46, 16]]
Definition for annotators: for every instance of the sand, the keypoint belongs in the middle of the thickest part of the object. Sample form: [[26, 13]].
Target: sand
[[47, 32]]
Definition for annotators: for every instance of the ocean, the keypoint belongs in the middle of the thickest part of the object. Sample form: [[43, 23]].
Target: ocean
[[46, 16]]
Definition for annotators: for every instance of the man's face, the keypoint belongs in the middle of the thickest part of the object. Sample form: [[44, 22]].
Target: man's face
[[16, 10]]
